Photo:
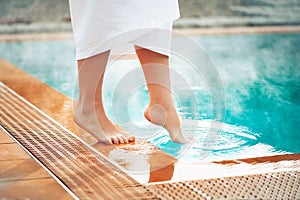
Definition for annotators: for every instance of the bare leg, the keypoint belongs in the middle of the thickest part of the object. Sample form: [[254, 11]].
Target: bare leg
[[89, 112], [161, 110]]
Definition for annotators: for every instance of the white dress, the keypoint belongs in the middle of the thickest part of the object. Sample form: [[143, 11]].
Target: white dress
[[101, 25]]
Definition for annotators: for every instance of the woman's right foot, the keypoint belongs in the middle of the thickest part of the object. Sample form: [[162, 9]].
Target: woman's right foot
[[167, 117], [101, 127]]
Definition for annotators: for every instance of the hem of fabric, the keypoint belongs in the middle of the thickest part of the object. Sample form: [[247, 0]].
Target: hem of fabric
[[95, 50]]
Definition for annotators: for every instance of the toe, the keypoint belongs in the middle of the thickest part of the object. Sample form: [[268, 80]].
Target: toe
[[115, 140], [125, 139], [130, 138], [120, 138]]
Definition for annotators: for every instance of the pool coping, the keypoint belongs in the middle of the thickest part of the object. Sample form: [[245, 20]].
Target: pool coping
[[187, 32]]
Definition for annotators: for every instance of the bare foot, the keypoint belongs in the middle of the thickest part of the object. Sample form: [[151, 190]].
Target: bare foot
[[101, 127], [167, 117]]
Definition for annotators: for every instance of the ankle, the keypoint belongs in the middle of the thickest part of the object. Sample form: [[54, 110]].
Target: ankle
[[167, 105], [89, 108], [166, 116]]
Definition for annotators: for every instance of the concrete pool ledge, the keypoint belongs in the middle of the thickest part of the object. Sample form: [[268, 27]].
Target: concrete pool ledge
[[188, 32], [163, 170]]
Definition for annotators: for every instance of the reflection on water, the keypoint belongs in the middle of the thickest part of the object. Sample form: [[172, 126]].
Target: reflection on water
[[261, 75]]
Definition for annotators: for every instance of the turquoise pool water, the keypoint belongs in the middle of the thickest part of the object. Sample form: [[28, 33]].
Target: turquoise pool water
[[261, 80]]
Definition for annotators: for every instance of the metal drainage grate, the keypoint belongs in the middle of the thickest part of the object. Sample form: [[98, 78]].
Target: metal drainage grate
[[89, 175]]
